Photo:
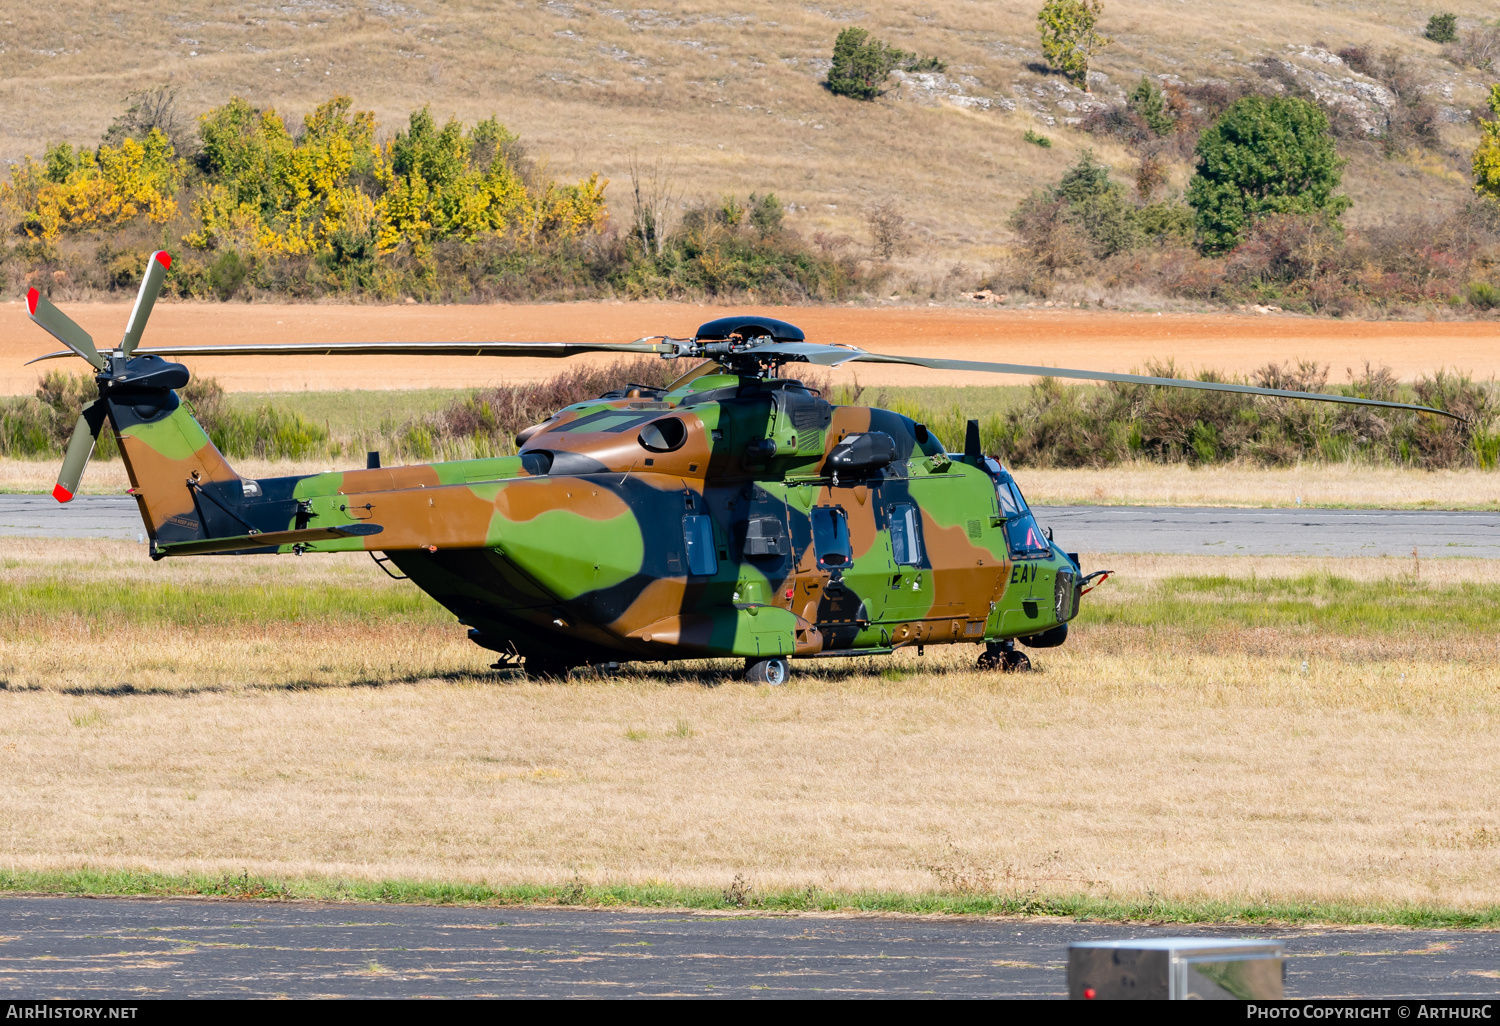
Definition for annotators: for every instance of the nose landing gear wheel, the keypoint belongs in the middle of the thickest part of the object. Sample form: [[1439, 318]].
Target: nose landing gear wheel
[[1002, 656], [773, 671]]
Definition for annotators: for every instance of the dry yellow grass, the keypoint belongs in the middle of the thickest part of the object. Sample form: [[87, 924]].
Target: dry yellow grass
[[1144, 484], [1137, 759], [728, 90]]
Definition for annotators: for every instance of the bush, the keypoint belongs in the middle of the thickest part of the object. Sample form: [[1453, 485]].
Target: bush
[[1037, 140], [1093, 427], [1478, 47], [1084, 214], [1149, 103], [1265, 155], [862, 64], [1442, 28], [1482, 295]]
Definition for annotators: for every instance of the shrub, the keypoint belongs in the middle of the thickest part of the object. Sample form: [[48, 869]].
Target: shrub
[[1478, 47], [1442, 28], [861, 64], [84, 190], [1483, 295], [889, 232], [1069, 39], [1036, 139], [1084, 426], [1085, 213], [1264, 155], [1486, 158], [1150, 104]]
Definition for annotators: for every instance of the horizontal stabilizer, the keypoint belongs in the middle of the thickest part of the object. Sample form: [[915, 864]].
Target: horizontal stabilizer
[[241, 542]]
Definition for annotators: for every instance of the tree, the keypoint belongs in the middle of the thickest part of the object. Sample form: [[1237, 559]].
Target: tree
[[1442, 28], [1150, 105], [1265, 155], [1069, 41], [1486, 162], [861, 64]]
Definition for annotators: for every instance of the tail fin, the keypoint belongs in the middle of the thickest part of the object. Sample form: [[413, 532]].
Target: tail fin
[[185, 488]]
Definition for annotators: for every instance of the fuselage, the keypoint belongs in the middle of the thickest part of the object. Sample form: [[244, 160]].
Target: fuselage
[[731, 517]]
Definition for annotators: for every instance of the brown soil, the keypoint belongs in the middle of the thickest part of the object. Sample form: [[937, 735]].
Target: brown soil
[[1068, 338]]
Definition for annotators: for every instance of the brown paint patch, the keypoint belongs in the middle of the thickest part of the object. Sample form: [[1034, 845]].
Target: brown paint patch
[[528, 498], [449, 516]]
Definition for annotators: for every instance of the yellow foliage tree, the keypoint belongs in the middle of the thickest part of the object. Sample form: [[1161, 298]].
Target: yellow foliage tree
[[101, 189], [1486, 162]]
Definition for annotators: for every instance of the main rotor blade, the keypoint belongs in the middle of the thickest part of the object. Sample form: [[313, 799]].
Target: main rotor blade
[[834, 356], [145, 299], [80, 448], [63, 328], [532, 349]]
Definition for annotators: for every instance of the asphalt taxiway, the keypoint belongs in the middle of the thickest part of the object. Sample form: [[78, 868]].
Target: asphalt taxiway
[[83, 948]]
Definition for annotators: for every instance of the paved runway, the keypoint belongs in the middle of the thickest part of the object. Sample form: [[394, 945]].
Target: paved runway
[[115, 948], [1180, 530], [1273, 532]]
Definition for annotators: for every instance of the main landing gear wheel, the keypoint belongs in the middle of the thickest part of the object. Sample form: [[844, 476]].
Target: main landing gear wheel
[[773, 671], [1002, 656]]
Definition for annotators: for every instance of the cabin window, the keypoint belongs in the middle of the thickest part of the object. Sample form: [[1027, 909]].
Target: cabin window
[[830, 530], [906, 537], [698, 540], [664, 435]]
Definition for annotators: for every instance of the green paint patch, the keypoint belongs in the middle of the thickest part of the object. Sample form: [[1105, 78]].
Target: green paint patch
[[177, 437], [813, 899], [570, 554]]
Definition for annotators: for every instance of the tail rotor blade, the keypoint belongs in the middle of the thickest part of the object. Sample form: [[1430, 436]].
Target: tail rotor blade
[[156, 273], [80, 448], [63, 328]]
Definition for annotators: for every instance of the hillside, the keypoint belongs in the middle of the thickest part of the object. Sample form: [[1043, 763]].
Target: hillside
[[728, 91]]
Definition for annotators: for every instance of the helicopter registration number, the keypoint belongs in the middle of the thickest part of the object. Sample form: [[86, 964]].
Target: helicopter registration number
[[1020, 573]]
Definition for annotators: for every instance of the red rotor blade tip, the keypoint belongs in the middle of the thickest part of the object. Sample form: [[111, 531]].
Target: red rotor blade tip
[[32, 296], [61, 494], [164, 258]]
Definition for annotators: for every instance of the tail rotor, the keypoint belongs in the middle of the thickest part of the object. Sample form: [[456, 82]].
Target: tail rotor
[[67, 331]]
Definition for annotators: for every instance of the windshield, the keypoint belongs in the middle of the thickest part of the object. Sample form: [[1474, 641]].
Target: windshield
[[1022, 534]]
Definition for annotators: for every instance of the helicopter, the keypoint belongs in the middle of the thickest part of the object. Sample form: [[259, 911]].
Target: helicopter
[[735, 513]]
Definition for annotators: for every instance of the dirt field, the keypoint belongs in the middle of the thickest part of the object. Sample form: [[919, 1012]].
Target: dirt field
[[1235, 344], [1345, 758]]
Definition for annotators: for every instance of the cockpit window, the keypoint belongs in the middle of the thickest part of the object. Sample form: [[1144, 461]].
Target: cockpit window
[[1022, 533]]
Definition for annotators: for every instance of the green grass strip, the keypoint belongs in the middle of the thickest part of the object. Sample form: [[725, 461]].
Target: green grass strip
[[193, 605], [1320, 601], [738, 898]]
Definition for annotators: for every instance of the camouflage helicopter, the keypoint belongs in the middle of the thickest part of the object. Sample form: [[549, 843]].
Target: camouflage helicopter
[[734, 513]]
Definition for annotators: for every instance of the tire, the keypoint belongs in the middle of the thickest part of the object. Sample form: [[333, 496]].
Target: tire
[[990, 661], [1015, 662], [773, 671]]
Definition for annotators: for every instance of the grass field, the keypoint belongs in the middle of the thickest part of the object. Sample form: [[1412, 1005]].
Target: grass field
[[1221, 735]]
